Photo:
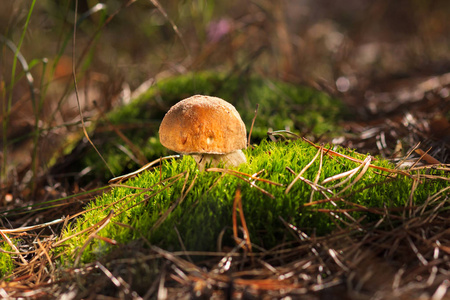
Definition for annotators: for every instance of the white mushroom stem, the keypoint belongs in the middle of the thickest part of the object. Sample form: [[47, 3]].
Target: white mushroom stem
[[232, 159]]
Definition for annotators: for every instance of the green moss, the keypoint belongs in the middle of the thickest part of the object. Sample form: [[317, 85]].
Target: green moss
[[6, 260], [281, 106], [206, 209]]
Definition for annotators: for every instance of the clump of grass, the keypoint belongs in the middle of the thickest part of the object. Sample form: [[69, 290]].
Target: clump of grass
[[175, 206]]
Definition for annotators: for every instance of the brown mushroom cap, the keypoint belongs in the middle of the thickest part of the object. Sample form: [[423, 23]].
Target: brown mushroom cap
[[203, 124]]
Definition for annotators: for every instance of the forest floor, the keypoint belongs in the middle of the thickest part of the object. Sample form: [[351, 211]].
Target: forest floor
[[388, 62]]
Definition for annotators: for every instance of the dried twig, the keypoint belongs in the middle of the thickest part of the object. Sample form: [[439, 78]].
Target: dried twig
[[238, 175], [150, 164], [237, 204], [359, 161], [302, 171], [100, 225]]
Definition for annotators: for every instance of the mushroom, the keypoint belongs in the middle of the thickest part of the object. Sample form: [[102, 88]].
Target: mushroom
[[207, 128]]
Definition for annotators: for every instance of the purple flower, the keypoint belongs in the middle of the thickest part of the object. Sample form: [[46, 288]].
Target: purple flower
[[218, 29]]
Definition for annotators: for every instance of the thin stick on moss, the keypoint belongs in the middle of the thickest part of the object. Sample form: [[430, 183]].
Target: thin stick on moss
[[359, 161], [235, 173], [100, 226], [11, 244], [301, 172], [254, 176], [150, 164], [340, 176], [175, 179], [316, 180], [433, 177], [316, 187], [237, 204], [58, 243], [438, 194], [415, 183], [422, 155], [106, 240], [408, 155], [345, 214], [365, 166], [280, 133], [177, 202], [373, 210], [215, 183], [47, 256]]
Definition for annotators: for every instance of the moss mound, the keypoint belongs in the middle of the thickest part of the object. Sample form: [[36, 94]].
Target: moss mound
[[176, 202]]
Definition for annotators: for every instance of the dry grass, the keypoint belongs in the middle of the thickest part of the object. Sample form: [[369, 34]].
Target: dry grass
[[408, 261]]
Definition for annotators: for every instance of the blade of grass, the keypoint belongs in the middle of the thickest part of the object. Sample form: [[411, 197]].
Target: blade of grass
[[174, 26], [34, 227], [27, 207], [7, 106], [253, 123], [37, 115], [80, 111]]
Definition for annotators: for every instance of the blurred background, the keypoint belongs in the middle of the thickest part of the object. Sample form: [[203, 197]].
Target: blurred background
[[388, 61]]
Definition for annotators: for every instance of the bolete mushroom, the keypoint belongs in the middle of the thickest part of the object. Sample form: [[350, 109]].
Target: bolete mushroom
[[207, 128]]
